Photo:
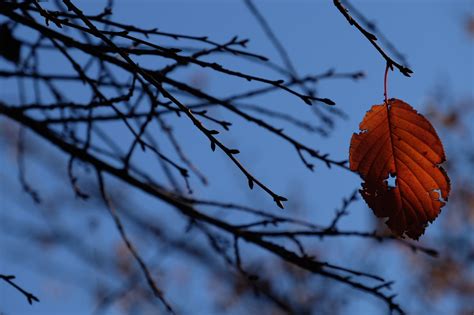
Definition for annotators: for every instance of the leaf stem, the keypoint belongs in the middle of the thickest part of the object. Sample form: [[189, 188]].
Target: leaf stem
[[385, 94]]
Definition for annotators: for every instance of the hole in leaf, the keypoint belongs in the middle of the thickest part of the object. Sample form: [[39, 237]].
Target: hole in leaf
[[436, 194], [391, 181]]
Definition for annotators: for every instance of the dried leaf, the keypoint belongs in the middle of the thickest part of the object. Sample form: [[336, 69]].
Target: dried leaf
[[396, 141]]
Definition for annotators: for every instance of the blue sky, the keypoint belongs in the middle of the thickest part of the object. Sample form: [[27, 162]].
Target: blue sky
[[429, 33]]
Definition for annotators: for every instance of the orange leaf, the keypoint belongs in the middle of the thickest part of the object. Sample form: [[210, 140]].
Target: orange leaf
[[396, 141]]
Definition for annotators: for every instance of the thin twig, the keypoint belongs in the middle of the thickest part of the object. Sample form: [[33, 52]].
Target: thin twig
[[118, 223], [29, 296], [372, 39]]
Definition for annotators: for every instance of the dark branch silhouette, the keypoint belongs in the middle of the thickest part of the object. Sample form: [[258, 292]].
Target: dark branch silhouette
[[29, 296]]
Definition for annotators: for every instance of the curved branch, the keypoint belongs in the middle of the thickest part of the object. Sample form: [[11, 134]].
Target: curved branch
[[372, 39]]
